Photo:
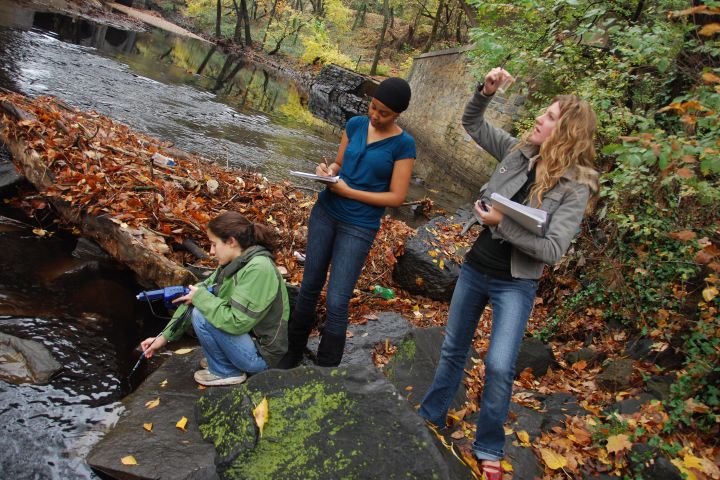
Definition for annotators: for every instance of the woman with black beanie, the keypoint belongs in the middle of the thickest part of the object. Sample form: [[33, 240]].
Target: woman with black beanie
[[374, 162]]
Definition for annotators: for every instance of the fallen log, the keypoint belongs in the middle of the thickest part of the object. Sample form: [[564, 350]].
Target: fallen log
[[136, 248]]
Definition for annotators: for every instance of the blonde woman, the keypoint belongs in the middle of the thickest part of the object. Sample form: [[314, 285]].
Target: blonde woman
[[549, 168]]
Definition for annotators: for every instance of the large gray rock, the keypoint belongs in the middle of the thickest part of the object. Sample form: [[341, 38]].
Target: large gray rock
[[412, 368], [323, 423], [418, 272], [338, 94], [166, 451], [389, 326], [554, 408], [25, 361]]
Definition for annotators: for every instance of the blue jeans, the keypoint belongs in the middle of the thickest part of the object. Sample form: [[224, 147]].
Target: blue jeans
[[512, 302], [346, 247], [228, 355]]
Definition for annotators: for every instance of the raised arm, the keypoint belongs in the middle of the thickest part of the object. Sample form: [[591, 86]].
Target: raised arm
[[496, 141]]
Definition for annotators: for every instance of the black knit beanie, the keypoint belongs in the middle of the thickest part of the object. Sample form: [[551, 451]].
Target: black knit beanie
[[394, 93]]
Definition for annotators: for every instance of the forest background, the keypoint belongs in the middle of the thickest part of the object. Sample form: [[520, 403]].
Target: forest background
[[648, 259]]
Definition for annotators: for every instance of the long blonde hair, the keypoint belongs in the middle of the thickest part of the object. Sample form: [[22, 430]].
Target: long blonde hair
[[569, 148]]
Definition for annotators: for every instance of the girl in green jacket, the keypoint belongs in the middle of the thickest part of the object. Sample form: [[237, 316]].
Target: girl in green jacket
[[243, 326]]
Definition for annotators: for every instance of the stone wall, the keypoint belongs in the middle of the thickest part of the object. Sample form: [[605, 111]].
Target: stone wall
[[441, 86]]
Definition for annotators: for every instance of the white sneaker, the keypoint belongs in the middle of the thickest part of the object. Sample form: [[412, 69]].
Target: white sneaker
[[204, 377]]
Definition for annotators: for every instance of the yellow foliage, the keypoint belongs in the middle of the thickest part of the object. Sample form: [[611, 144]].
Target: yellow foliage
[[552, 459]]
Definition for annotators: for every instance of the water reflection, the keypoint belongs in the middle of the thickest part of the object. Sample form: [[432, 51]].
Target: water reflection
[[84, 312], [178, 89]]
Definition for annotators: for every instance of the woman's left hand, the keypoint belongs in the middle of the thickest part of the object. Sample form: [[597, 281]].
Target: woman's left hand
[[340, 188], [490, 217], [187, 299]]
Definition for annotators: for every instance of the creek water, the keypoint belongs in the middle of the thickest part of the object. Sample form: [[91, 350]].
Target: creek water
[[179, 90]]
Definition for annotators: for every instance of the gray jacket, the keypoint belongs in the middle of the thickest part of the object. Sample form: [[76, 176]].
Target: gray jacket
[[566, 202]]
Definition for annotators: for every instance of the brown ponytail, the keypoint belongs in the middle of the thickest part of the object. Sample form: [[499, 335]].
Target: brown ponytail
[[231, 224]]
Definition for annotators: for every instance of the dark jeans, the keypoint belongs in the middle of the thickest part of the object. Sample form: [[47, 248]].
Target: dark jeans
[[345, 247], [512, 302]]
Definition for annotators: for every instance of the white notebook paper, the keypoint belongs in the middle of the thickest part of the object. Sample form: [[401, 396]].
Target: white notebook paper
[[532, 219]]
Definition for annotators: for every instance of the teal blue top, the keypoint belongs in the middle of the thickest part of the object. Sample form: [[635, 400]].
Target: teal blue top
[[366, 167]]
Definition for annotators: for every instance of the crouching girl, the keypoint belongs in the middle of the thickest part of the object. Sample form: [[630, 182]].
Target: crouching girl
[[242, 327]]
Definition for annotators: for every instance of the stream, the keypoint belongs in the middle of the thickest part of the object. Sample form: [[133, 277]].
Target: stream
[[83, 310]]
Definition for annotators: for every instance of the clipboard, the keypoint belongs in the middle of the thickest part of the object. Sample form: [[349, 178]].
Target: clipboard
[[317, 178]]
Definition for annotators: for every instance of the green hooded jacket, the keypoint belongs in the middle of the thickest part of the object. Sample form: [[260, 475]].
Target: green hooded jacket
[[251, 298]]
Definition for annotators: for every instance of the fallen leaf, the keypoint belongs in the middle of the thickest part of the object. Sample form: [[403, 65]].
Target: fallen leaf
[[710, 29], [524, 437], [709, 293], [618, 443], [39, 232], [163, 384], [153, 403], [683, 235], [457, 435], [183, 351], [182, 423], [129, 460], [506, 466], [148, 426], [261, 414], [552, 459]]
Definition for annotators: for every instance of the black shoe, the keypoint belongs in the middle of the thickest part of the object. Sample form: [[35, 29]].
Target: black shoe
[[331, 349], [299, 329]]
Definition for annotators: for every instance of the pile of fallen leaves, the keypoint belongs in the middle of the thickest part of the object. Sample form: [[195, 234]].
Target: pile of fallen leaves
[[102, 167]]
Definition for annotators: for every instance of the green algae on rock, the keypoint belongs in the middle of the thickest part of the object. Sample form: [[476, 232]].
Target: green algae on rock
[[323, 423]]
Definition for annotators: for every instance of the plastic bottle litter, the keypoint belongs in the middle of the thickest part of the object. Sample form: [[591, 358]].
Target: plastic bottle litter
[[384, 292], [162, 160]]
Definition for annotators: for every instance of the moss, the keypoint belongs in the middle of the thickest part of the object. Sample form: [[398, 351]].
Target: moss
[[406, 350], [289, 446]]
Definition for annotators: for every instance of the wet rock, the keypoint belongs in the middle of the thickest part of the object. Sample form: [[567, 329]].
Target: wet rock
[[412, 368], [10, 177], [363, 338], [166, 451], [418, 272], [629, 405], [323, 423], [615, 375], [25, 361], [650, 464], [536, 355], [338, 94], [87, 249]]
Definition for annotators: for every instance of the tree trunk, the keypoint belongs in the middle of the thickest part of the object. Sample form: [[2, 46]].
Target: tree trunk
[[272, 14], [217, 18], [246, 19], [436, 23], [386, 18], [470, 12], [360, 17]]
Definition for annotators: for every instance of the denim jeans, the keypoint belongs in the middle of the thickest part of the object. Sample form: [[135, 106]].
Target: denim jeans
[[512, 302], [228, 355], [345, 247]]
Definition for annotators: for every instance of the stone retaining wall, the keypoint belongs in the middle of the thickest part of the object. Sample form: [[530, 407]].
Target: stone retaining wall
[[442, 84]]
